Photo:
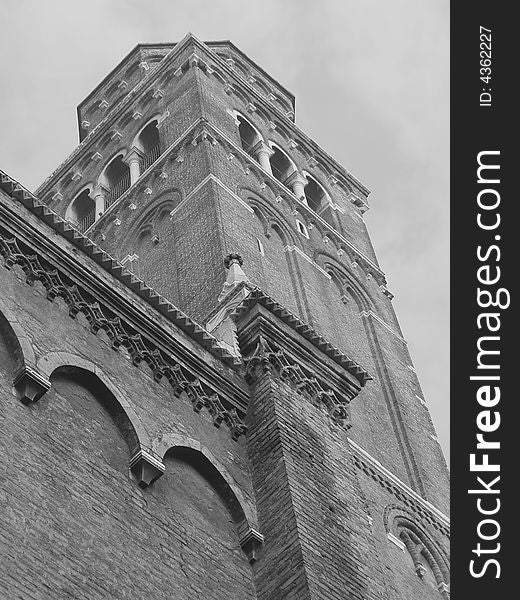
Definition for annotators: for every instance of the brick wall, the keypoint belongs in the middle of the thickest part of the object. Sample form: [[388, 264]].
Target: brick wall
[[310, 506], [74, 522]]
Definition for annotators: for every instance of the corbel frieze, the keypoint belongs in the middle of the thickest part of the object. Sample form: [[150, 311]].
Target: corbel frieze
[[268, 359], [409, 498], [120, 334]]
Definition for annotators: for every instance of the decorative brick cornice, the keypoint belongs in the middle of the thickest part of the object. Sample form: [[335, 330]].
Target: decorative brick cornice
[[257, 296], [120, 335], [418, 505], [120, 332], [18, 193], [276, 346], [268, 359]]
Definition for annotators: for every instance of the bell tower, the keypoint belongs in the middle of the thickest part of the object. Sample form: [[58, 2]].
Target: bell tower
[[193, 174]]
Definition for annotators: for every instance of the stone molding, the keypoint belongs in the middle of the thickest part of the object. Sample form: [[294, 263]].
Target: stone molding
[[146, 467], [215, 179], [201, 131], [261, 146], [31, 386], [276, 345], [307, 258], [281, 190], [257, 296], [267, 359], [286, 117], [444, 589], [250, 542], [410, 499], [370, 313], [423, 550], [395, 540], [193, 134]]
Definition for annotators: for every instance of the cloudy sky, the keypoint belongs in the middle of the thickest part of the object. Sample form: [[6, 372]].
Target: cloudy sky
[[371, 84]]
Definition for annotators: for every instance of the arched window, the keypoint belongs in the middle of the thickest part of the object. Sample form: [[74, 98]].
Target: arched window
[[281, 165], [147, 142], [82, 210], [115, 179], [428, 561], [262, 86], [249, 136], [317, 198], [193, 490]]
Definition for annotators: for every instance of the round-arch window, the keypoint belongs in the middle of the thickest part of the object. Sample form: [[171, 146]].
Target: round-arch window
[[281, 166], [116, 179], [82, 210], [315, 195], [149, 144], [248, 135]]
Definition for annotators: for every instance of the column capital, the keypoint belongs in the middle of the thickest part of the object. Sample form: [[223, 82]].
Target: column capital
[[262, 147], [298, 182], [134, 154], [98, 190], [296, 178]]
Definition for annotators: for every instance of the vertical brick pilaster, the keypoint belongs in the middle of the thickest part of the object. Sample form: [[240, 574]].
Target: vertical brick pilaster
[[311, 509], [280, 571]]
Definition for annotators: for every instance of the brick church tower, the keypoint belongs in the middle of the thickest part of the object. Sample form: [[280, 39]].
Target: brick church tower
[[205, 392]]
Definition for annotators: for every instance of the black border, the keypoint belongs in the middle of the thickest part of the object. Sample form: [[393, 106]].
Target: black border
[[474, 129]]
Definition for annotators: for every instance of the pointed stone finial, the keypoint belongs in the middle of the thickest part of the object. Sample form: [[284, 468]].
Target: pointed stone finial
[[233, 262], [233, 258]]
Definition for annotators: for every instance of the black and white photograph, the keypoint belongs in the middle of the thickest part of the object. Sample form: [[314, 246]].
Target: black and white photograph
[[225, 302]]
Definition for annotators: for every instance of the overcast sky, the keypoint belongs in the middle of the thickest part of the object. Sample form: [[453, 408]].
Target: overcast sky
[[371, 82]]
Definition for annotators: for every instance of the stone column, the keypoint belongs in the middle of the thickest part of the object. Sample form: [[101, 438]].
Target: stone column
[[98, 195], [133, 160], [262, 153], [298, 182]]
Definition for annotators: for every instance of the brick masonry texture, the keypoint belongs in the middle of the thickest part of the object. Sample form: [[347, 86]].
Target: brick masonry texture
[[75, 522]]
